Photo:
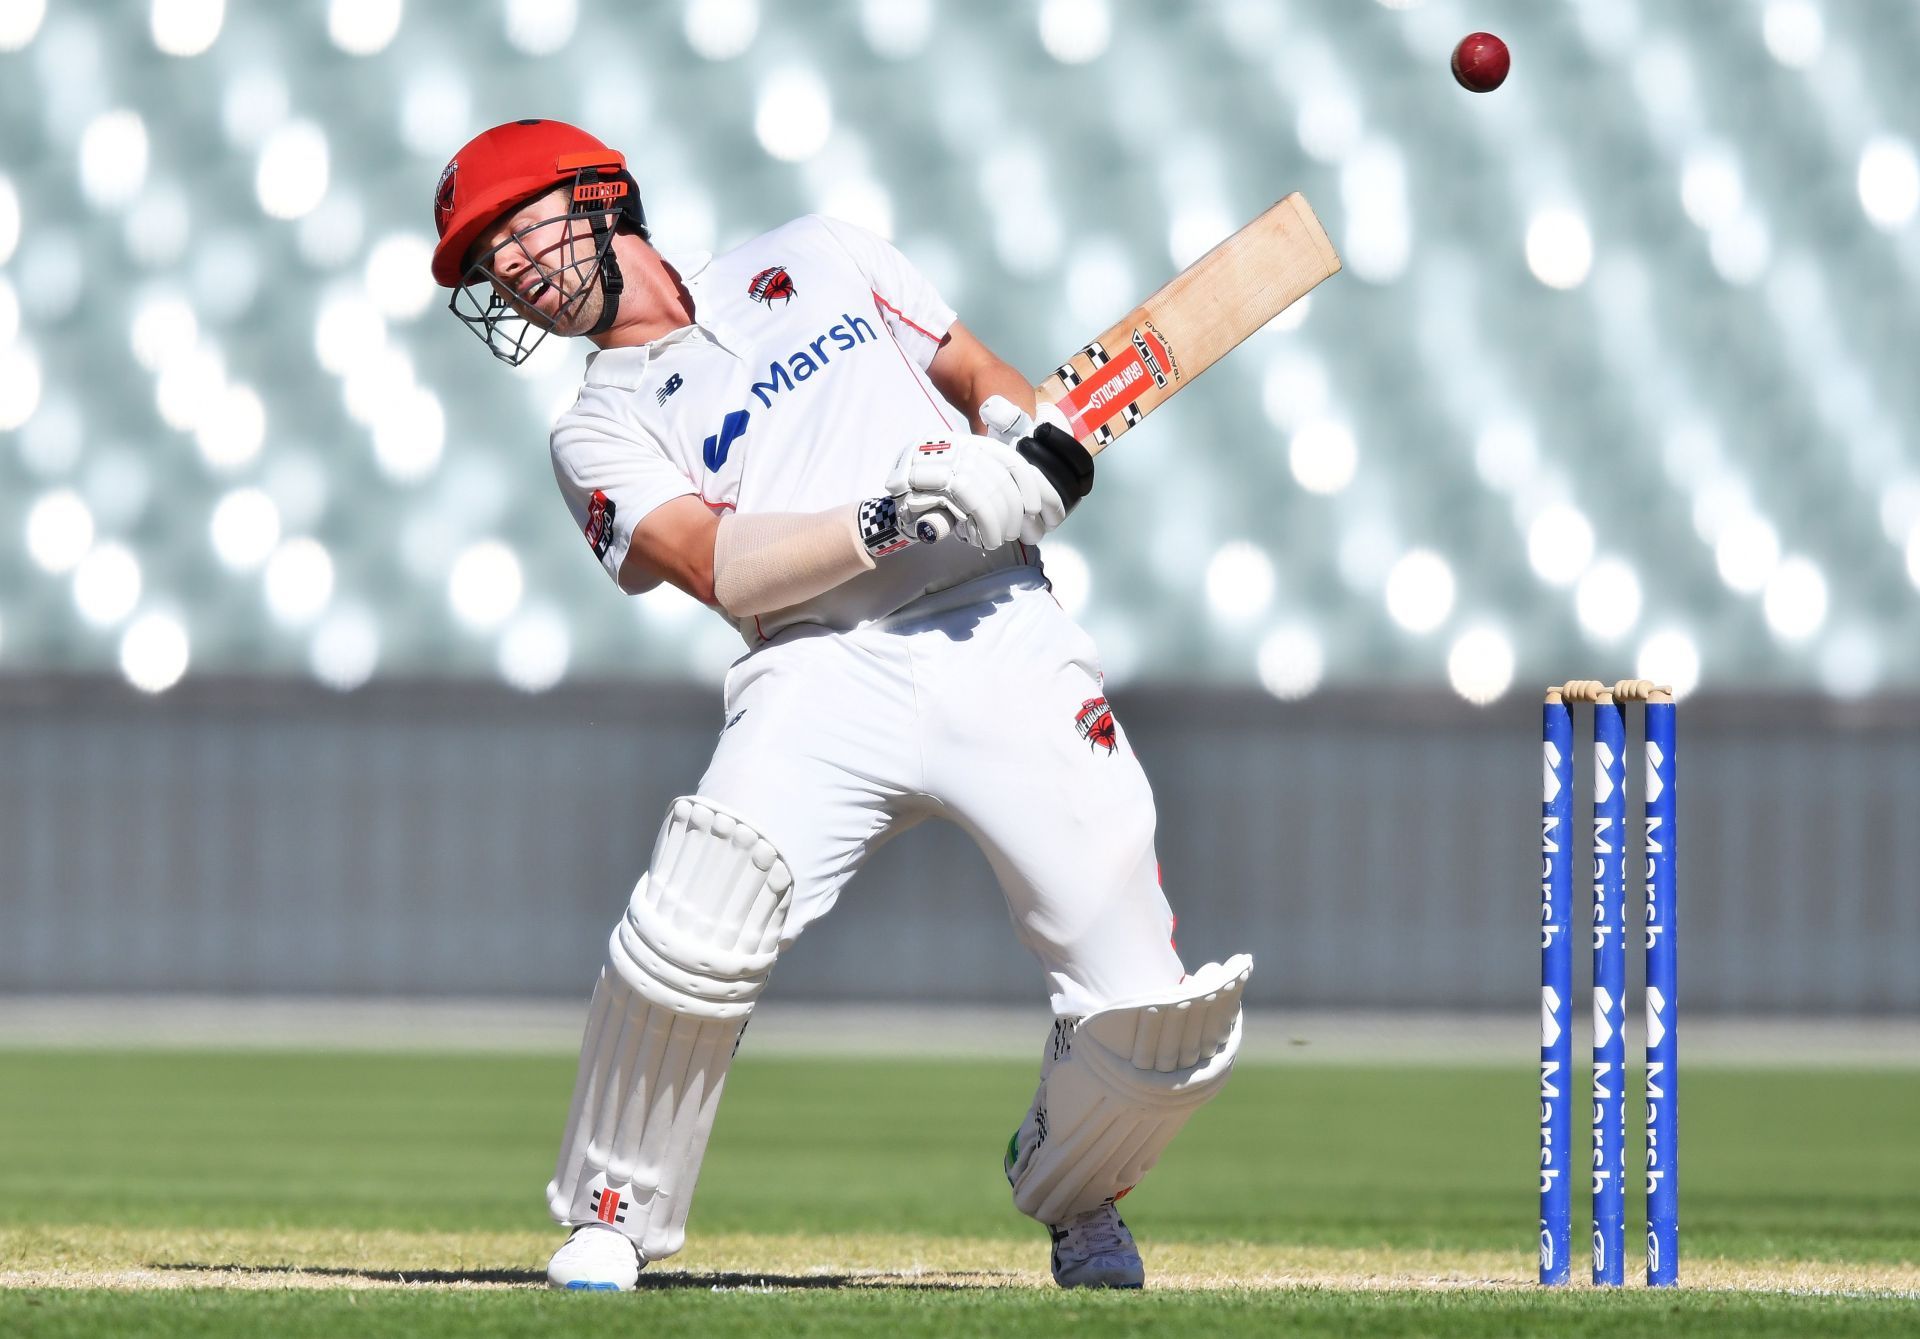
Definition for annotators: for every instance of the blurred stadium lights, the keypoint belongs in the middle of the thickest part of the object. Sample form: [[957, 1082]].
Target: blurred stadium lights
[[1480, 664], [1617, 369]]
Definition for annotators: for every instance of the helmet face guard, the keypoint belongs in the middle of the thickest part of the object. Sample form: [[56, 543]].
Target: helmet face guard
[[569, 253]]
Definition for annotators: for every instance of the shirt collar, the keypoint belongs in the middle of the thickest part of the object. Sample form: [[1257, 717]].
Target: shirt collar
[[689, 265]]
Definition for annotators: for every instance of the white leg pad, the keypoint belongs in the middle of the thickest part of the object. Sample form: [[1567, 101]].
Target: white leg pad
[[687, 961], [1117, 1086]]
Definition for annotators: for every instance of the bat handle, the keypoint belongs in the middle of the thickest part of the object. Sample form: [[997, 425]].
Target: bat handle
[[932, 528]]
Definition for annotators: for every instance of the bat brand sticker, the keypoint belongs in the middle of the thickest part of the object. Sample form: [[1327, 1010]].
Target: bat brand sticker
[[1157, 354], [600, 523], [1094, 721], [1114, 386], [771, 285]]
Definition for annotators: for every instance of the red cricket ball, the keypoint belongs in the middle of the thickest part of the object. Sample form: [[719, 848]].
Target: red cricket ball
[[1480, 62]]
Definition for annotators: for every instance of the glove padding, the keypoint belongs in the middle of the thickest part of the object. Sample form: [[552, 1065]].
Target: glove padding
[[1048, 445], [1007, 422], [981, 487]]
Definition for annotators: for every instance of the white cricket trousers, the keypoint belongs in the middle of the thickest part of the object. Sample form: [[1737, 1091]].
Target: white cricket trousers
[[990, 714]]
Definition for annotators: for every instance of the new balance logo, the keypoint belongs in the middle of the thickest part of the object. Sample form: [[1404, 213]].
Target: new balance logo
[[668, 387]]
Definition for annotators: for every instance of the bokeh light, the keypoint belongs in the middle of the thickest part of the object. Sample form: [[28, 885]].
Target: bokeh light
[[113, 158], [1480, 665], [107, 584], [1291, 661], [1889, 182], [721, 29], [1794, 32], [485, 585], [186, 27], [1559, 248], [398, 277], [231, 428], [244, 528], [9, 218], [345, 649], [896, 29], [534, 650], [1239, 581], [1796, 599], [540, 27], [1074, 32], [154, 652], [20, 22], [19, 386], [1323, 456], [299, 581], [291, 176], [1420, 591], [794, 114], [363, 27], [59, 531], [1607, 600], [1670, 657], [1560, 544]]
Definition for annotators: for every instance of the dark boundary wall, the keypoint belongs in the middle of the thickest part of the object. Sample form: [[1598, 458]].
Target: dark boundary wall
[[1373, 849]]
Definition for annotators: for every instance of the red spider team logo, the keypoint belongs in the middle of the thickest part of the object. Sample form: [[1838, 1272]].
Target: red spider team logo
[[1094, 721], [443, 193], [771, 285]]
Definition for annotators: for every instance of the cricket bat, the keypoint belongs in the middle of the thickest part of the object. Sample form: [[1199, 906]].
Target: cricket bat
[[1192, 322]]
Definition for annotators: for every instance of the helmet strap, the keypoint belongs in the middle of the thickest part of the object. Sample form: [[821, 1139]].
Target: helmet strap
[[602, 220], [612, 282]]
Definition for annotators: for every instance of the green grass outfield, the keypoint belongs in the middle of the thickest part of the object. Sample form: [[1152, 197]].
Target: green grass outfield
[[251, 1193]]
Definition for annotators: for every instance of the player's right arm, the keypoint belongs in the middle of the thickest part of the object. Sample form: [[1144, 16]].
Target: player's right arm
[[756, 563], [674, 543]]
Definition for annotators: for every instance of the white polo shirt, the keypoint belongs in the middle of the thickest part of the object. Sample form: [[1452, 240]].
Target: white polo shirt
[[800, 381]]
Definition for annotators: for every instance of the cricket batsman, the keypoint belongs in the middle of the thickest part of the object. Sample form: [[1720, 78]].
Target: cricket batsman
[[799, 435]]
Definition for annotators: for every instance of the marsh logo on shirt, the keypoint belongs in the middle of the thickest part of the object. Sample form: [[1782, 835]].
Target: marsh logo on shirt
[[815, 357], [600, 523], [772, 285]]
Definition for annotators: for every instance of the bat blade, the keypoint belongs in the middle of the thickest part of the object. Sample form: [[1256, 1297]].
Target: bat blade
[[1191, 322]]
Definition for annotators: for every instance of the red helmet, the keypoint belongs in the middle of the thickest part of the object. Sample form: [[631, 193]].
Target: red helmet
[[501, 167]]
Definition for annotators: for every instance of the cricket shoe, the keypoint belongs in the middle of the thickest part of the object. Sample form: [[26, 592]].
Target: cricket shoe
[[596, 1258], [1095, 1250]]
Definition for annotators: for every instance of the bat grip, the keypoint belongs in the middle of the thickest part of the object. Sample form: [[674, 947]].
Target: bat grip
[[932, 528]]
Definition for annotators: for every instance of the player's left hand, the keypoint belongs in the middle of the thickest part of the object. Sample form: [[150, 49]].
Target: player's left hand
[[1050, 447], [1007, 422]]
